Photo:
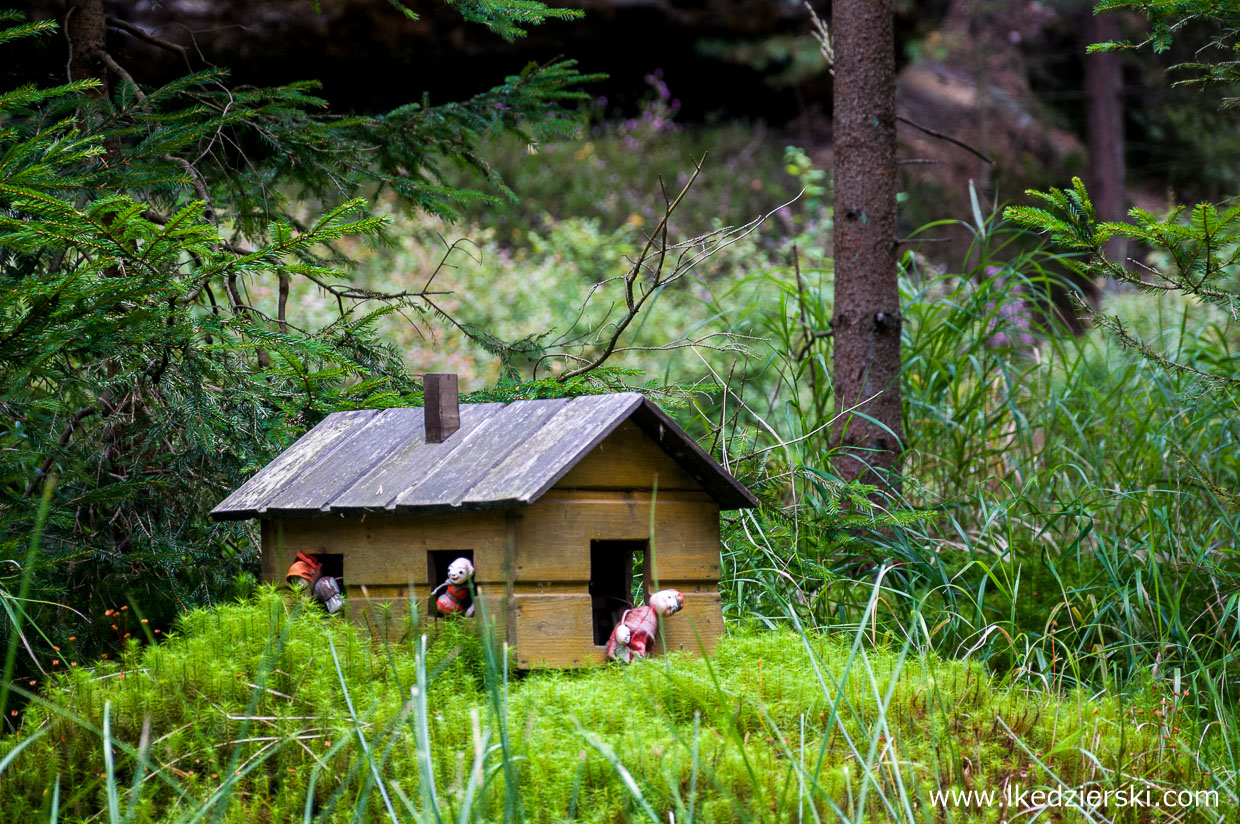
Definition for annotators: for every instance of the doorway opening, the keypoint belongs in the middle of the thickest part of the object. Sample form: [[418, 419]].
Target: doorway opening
[[618, 572]]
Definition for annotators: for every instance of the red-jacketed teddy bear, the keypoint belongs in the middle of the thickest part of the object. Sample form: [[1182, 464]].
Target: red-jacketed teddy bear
[[455, 598]]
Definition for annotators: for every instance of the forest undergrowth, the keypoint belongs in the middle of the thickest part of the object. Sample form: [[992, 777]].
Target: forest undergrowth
[[1051, 600]]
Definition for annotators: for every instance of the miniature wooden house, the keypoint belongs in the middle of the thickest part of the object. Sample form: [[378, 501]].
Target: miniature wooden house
[[550, 499]]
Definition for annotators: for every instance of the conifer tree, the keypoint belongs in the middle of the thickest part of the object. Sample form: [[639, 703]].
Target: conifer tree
[[141, 379]]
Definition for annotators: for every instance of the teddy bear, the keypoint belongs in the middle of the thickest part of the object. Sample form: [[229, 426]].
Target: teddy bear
[[455, 599]]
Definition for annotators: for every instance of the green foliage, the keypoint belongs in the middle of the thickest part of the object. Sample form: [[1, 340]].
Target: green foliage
[[148, 238], [1068, 508], [783, 59], [508, 18], [267, 710], [1139, 510], [1197, 252], [813, 180], [1081, 495], [1170, 19]]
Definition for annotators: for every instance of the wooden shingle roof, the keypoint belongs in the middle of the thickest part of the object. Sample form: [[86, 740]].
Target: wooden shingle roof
[[504, 455]]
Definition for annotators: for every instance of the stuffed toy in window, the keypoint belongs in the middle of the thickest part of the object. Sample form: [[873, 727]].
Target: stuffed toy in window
[[455, 599], [307, 572]]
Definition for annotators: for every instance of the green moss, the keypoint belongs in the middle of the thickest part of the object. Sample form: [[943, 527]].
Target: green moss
[[772, 723]]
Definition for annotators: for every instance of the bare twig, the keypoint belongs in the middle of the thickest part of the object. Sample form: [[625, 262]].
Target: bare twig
[[944, 137], [119, 71], [633, 297], [147, 37], [199, 184], [65, 435], [647, 274], [443, 261], [755, 453], [283, 304]]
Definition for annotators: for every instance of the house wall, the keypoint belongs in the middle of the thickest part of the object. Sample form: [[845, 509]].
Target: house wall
[[550, 616], [544, 607], [385, 555], [607, 496]]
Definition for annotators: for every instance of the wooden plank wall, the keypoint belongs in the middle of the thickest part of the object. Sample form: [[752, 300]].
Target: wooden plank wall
[[607, 496], [627, 460], [387, 554], [544, 607], [550, 616]]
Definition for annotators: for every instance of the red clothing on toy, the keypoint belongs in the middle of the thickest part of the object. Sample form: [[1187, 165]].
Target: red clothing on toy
[[642, 622], [453, 600], [632, 637]]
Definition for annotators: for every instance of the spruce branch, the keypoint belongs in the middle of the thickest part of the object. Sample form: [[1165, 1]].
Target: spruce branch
[[65, 435], [1203, 244]]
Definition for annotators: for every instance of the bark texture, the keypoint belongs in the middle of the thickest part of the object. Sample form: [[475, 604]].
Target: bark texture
[[866, 317], [1104, 89], [86, 29]]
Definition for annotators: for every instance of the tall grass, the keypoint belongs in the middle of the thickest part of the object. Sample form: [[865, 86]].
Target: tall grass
[[1077, 520]]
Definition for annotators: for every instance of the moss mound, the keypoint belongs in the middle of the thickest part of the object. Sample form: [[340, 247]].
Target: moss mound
[[242, 714]]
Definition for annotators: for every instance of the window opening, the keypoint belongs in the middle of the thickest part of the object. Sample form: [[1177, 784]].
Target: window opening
[[320, 574], [437, 563], [618, 572], [333, 566]]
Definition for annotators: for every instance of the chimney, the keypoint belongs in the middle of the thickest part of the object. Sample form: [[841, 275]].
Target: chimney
[[443, 411]]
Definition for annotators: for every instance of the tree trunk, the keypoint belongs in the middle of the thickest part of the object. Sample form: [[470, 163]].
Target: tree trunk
[[866, 318], [86, 29], [1104, 88]]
